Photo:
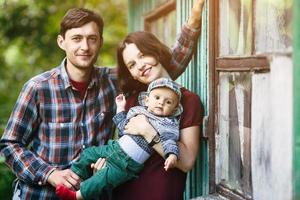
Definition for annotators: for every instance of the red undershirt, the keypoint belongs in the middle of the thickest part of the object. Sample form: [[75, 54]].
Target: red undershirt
[[80, 86]]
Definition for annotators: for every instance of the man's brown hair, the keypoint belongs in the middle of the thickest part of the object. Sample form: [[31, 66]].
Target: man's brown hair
[[77, 17]]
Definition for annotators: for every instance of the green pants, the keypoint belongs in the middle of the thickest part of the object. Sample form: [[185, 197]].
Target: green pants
[[119, 169]]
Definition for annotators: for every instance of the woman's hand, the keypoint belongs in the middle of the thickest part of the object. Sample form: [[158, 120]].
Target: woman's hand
[[139, 125], [195, 19], [188, 143]]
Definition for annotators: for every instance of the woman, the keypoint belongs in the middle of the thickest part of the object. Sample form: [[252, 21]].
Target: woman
[[142, 58]]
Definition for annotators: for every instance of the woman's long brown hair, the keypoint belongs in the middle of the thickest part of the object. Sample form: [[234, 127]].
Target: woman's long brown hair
[[149, 45]]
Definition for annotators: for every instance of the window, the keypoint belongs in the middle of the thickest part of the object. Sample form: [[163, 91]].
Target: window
[[242, 34], [162, 22], [233, 160]]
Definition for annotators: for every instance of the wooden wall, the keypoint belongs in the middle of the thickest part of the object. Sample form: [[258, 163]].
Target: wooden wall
[[274, 144]]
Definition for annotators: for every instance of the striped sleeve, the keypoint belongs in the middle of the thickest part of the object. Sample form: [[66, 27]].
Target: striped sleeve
[[183, 50], [21, 127]]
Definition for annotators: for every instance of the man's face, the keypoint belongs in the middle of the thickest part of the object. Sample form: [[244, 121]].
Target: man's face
[[81, 45]]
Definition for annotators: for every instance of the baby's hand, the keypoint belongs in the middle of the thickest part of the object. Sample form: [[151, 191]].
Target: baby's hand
[[121, 102], [170, 162], [120, 98]]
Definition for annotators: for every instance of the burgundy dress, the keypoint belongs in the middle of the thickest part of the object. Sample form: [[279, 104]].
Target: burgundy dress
[[154, 183]]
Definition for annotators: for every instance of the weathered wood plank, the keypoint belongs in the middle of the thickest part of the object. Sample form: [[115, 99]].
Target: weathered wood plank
[[272, 132], [210, 197], [222, 135]]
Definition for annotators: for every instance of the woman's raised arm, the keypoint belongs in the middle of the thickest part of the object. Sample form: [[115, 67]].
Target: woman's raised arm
[[186, 41]]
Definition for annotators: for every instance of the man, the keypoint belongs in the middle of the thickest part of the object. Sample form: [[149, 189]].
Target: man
[[62, 111]]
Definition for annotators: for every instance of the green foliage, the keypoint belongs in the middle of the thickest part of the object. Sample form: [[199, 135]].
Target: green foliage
[[7, 178], [28, 40], [28, 45]]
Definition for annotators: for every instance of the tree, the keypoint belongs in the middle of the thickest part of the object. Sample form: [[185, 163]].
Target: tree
[[28, 46], [28, 43]]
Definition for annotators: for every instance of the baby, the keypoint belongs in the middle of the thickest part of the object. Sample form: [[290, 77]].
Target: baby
[[125, 157]]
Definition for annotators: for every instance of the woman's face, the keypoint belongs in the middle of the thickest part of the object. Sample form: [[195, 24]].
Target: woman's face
[[142, 68]]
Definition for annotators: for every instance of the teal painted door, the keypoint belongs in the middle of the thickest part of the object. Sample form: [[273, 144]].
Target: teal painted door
[[195, 79]]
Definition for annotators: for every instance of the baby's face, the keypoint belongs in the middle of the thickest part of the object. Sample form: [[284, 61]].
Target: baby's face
[[162, 101]]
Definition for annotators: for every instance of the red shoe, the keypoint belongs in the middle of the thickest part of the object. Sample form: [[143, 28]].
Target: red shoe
[[65, 193]]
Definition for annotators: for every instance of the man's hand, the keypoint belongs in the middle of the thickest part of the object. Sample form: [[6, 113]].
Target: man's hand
[[64, 177], [170, 162]]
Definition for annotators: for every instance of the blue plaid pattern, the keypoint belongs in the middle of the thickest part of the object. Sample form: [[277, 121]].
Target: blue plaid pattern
[[165, 82]]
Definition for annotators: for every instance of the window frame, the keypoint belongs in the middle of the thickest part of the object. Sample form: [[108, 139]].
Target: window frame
[[217, 64], [158, 12]]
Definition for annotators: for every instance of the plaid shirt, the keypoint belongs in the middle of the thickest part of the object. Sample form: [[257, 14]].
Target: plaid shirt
[[51, 123]]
